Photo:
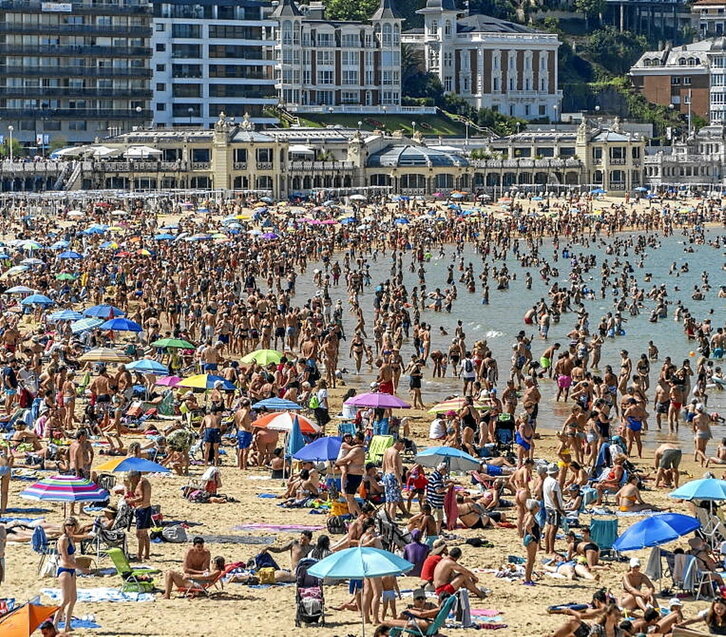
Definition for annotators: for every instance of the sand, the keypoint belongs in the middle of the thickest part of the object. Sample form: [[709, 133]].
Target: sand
[[270, 611]]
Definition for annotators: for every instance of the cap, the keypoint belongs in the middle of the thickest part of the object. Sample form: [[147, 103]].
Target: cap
[[552, 469], [439, 546], [634, 561], [419, 593], [675, 602]]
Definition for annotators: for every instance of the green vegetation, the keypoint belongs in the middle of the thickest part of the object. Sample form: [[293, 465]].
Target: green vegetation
[[346, 10], [615, 50], [18, 148]]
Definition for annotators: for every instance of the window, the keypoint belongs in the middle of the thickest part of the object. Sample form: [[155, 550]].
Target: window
[[387, 78], [447, 28], [160, 48], [675, 80], [233, 32], [161, 68], [160, 26], [325, 57], [161, 107], [186, 90], [350, 41], [325, 77], [349, 97], [186, 70], [326, 39], [448, 85], [387, 35], [186, 50], [526, 110], [185, 31], [286, 33], [448, 58], [495, 84], [434, 28], [186, 110], [352, 58], [686, 81], [351, 77], [72, 125]]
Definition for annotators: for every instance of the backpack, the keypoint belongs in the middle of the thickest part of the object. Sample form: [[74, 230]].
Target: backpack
[[336, 525], [314, 403], [468, 366], [176, 534], [266, 575], [25, 399]]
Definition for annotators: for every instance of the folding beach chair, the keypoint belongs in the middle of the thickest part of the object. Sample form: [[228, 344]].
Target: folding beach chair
[[136, 580], [377, 448], [604, 533], [47, 551], [434, 627], [203, 587], [347, 428]]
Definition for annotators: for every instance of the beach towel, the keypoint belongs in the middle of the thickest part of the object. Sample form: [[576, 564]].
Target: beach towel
[[238, 539], [451, 509], [269, 496], [282, 528], [28, 521], [484, 612], [28, 511], [76, 624], [99, 595]]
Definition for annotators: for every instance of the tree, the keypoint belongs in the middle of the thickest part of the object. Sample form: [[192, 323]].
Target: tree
[[57, 143], [423, 85], [616, 50], [502, 9], [18, 148], [347, 10], [590, 9]]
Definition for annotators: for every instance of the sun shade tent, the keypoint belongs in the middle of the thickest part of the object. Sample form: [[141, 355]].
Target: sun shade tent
[[142, 152]]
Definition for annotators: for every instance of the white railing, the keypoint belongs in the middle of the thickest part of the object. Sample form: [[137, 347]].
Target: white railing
[[321, 165], [390, 109]]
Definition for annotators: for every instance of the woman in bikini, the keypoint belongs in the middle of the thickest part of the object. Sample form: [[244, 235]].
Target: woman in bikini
[[519, 481], [66, 572]]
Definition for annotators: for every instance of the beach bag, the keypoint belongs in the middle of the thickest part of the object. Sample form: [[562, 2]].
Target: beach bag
[[336, 525], [312, 606], [49, 566], [313, 403], [468, 366], [176, 534], [266, 575], [25, 399]]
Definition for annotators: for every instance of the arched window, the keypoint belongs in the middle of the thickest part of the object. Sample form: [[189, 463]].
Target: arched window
[[434, 29], [447, 28], [387, 34], [396, 35]]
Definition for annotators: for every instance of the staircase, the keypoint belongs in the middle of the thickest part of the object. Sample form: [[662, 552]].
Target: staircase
[[285, 116], [482, 130], [69, 176]]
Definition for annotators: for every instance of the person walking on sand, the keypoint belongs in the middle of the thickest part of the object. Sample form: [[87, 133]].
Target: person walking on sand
[[353, 463], [66, 573], [554, 507], [392, 472], [141, 499], [531, 539]]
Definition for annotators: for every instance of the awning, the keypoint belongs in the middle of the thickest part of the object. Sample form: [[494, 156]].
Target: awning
[[299, 149], [142, 152]]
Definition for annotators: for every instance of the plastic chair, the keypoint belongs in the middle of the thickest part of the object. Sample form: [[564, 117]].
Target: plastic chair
[[604, 533], [377, 448], [434, 627], [136, 580]]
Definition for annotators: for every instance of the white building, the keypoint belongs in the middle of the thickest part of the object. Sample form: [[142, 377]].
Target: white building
[[324, 64], [211, 58], [489, 62]]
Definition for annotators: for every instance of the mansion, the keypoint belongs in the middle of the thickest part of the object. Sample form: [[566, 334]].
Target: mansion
[[295, 161]]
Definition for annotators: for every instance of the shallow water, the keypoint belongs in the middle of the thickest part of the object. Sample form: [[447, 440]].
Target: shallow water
[[499, 322]]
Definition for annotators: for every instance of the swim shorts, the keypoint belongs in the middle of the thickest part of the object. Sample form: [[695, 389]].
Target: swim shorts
[[212, 436], [143, 518], [392, 487], [244, 439], [670, 459], [352, 482], [446, 588]]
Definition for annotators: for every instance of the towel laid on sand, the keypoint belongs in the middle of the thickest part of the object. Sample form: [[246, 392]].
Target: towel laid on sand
[[238, 539], [484, 612], [77, 624], [28, 511], [289, 528], [99, 595]]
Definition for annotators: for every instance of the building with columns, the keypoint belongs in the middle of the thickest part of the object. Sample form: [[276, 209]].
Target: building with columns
[[491, 63], [325, 64]]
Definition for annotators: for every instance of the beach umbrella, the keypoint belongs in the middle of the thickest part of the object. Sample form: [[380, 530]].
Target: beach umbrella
[[148, 366], [358, 198], [360, 562], [270, 235], [65, 315], [70, 254], [63, 488], [131, 463], [61, 244], [16, 269], [598, 191], [121, 324], [455, 404], [206, 381], [37, 299], [169, 381], [85, 324], [109, 245], [276, 404], [705, 489], [29, 245], [32, 261], [263, 357], [295, 440], [640, 189], [19, 289], [103, 311], [457, 459], [283, 421], [320, 450], [25, 620], [656, 530], [105, 355], [380, 400], [173, 342], [66, 276], [164, 236]]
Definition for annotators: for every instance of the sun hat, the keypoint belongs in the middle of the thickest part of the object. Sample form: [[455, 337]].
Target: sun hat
[[634, 561]]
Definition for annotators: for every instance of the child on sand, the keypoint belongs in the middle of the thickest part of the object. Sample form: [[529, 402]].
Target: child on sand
[[390, 591]]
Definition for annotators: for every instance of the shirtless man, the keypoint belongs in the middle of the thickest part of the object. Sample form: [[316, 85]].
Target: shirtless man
[[243, 422], [392, 471], [124, 383], [78, 455], [196, 565], [662, 400], [385, 376], [353, 462], [141, 500], [299, 549], [209, 358], [667, 460], [211, 430], [450, 576], [563, 373], [702, 433], [100, 389]]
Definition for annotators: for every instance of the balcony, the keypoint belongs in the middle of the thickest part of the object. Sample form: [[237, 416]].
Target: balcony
[[307, 166], [74, 29], [239, 165], [78, 9], [201, 165], [89, 50], [264, 165], [75, 113], [80, 93], [617, 162], [73, 71]]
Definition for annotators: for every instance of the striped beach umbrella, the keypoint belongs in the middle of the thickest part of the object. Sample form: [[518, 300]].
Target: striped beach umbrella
[[455, 404], [131, 463], [284, 421], [84, 324], [65, 315], [65, 489], [105, 355], [206, 381]]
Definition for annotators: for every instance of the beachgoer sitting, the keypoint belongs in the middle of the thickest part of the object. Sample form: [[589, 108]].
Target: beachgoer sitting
[[704, 559], [473, 515], [196, 568], [639, 590], [418, 615], [628, 498], [450, 576]]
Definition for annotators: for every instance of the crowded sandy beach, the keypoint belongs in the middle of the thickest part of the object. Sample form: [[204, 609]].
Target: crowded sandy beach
[[355, 416]]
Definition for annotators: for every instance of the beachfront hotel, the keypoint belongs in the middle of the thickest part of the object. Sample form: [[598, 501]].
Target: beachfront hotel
[[75, 70], [211, 56], [491, 63]]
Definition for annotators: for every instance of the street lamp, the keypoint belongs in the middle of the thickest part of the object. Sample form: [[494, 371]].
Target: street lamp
[[360, 125], [556, 108], [10, 130], [190, 112], [413, 128]]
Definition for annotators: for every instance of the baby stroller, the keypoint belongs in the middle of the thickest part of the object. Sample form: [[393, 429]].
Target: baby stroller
[[309, 600], [392, 536], [504, 434]]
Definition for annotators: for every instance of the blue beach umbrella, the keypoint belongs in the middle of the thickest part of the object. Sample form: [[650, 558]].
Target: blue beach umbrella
[[295, 440], [19, 289], [276, 404], [164, 236], [70, 254], [656, 530], [148, 366], [358, 563], [705, 489], [65, 315], [457, 459], [37, 299], [121, 324], [320, 450], [103, 311], [61, 244]]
